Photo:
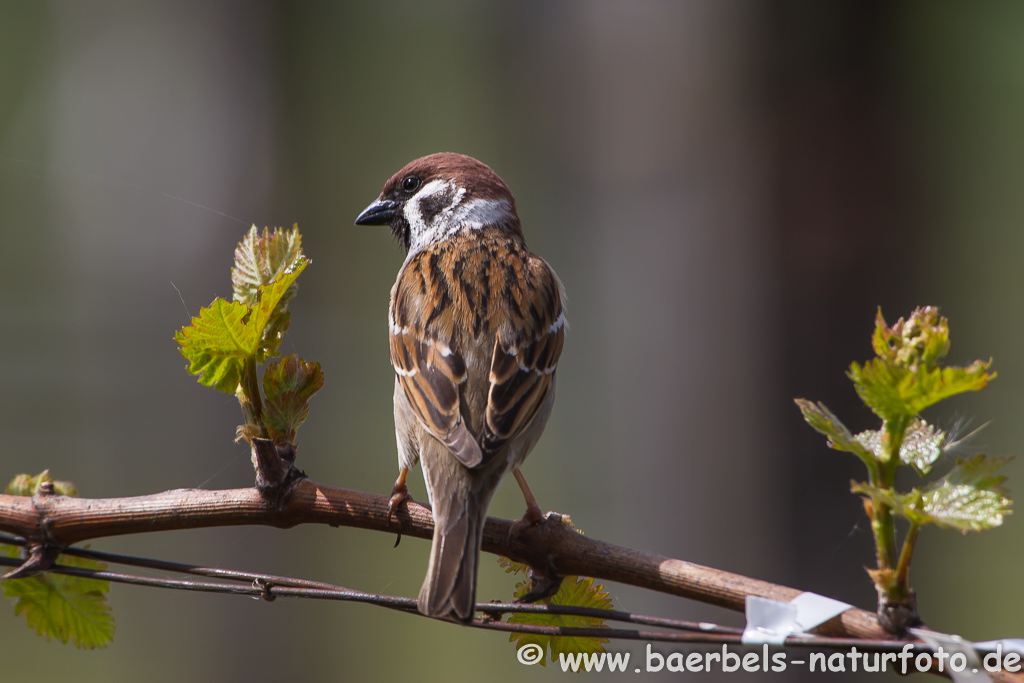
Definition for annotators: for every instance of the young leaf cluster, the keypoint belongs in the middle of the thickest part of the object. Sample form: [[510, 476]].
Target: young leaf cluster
[[228, 341], [905, 377], [288, 385], [68, 608]]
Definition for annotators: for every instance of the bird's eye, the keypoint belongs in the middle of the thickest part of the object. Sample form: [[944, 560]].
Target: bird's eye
[[411, 184]]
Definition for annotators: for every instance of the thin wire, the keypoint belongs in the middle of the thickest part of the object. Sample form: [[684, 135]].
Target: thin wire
[[284, 581], [270, 587]]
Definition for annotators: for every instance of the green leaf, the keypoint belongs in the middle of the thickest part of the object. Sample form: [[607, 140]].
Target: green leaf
[[65, 607], [964, 507], [969, 498], [288, 385], [978, 471], [577, 591], [878, 385], [217, 344], [267, 313], [58, 606], [894, 392], [511, 566], [273, 335], [27, 485], [921, 446], [942, 383], [261, 259], [823, 420], [224, 336]]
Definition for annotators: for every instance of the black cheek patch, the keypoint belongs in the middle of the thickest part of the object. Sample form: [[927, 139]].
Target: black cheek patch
[[435, 204]]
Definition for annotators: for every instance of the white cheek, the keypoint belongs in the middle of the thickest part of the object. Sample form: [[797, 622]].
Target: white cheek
[[480, 212], [457, 215], [441, 226], [413, 212]]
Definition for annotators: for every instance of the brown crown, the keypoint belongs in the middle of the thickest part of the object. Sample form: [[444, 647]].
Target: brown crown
[[477, 178]]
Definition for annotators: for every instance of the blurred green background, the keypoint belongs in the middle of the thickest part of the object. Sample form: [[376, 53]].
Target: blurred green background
[[727, 189]]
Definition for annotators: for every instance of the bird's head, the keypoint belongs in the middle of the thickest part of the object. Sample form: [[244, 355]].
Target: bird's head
[[435, 197]]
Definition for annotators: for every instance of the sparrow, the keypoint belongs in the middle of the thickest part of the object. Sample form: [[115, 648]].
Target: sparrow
[[476, 326]]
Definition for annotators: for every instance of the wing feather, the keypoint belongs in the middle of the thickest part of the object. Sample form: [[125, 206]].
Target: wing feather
[[430, 374], [523, 366]]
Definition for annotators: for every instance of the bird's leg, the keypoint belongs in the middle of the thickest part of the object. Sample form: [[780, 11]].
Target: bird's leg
[[543, 584], [399, 493], [533, 514]]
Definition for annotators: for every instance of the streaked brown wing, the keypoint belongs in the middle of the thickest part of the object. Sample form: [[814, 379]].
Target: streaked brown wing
[[522, 370], [430, 373]]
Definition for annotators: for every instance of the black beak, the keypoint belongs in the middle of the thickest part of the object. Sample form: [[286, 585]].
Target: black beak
[[381, 212]]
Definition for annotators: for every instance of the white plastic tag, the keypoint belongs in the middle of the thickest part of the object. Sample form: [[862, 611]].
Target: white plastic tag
[[1005, 645], [772, 621], [813, 609], [768, 621], [972, 672]]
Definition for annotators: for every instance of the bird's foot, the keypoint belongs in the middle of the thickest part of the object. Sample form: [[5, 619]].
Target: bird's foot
[[531, 530], [543, 585], [399, 496], [531, 518]]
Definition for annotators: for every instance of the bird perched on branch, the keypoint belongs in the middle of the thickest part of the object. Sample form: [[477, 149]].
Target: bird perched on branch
[[476, 326]]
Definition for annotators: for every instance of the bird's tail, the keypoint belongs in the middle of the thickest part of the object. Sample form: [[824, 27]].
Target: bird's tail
[[450, 584]]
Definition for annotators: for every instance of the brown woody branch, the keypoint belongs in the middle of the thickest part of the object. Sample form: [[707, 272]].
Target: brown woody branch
[[62, 521]]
